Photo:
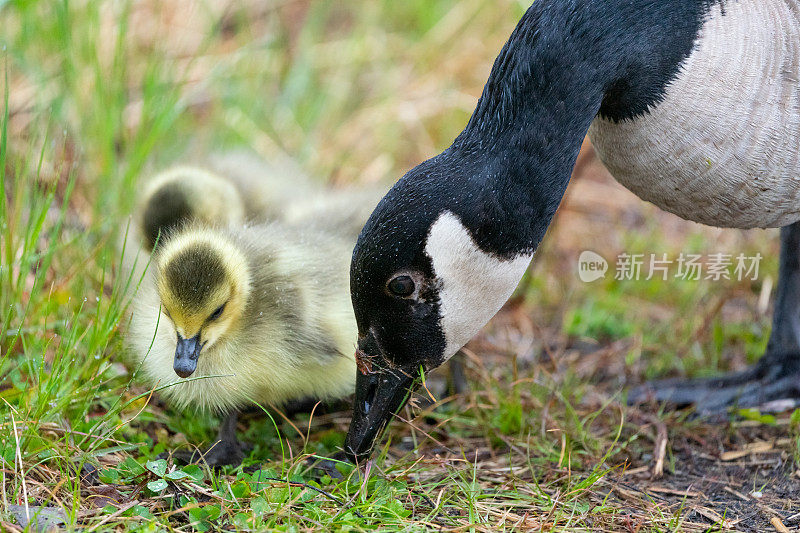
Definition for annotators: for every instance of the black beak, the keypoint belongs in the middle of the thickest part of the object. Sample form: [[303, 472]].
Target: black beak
[[186, 354], [380, 393]]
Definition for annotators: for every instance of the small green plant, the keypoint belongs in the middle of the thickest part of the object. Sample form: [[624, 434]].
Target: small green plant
[[794, 426], [757, 416]]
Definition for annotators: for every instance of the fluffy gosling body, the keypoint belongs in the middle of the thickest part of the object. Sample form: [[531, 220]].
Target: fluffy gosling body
[[260, 313], [266, 187], [340, 212], [239, 187], [279, 190], [264, 309]]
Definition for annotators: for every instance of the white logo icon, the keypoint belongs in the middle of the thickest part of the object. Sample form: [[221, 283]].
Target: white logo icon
[[591, 266]]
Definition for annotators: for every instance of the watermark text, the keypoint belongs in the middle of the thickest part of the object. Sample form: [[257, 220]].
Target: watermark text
[[686, 266]]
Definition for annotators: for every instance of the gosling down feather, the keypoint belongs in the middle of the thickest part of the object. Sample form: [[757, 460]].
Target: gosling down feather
[[238, 187], [279, 190], [185, 193], [260, 313]]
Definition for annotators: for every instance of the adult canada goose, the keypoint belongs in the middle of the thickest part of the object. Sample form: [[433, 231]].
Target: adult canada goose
[[692, 104], [260, 313]]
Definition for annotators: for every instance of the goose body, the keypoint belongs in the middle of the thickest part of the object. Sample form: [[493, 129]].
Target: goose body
[[721, 147], [694, 105]]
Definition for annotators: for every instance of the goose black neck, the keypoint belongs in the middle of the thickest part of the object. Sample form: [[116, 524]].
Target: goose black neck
[[566, 62]]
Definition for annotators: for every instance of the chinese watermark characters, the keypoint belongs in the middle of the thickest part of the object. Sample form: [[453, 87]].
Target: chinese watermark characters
[[686, 266]]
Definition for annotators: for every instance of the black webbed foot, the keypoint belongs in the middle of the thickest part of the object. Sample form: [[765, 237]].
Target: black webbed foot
[[776, 377], [759, 386], [226, 451], [221, 453]]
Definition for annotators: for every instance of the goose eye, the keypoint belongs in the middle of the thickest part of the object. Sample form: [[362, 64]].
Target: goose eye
[[402, 286], [216, 314]]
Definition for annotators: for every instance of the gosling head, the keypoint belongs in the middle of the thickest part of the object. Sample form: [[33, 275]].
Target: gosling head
[[183, 194], [204, 282]]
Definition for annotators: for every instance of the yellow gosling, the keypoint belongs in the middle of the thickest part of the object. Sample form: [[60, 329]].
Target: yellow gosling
[[186, 193], [262, 313]]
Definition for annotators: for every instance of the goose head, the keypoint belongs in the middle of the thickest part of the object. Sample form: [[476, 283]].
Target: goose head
[[428, 271]]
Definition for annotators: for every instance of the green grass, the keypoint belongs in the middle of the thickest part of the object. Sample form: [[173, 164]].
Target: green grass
[[97, 95]]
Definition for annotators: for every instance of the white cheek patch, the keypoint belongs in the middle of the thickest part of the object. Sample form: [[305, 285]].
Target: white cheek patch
[[474, 284]]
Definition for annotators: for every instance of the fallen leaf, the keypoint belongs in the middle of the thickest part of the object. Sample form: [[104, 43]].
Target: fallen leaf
[[103, 495]]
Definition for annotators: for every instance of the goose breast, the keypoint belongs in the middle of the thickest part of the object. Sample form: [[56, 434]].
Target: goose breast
[[722, 147]]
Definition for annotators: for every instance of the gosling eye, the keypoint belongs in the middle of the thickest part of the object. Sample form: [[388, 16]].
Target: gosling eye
[[401, 286], [217, 313]]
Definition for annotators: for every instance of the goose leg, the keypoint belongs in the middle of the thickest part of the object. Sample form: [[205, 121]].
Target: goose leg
[[457, 374], [445, 382], [776, 376], [227, 450]]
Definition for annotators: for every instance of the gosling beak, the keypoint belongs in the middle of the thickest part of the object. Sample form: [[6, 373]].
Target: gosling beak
[[186, 354], [380, 393]]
